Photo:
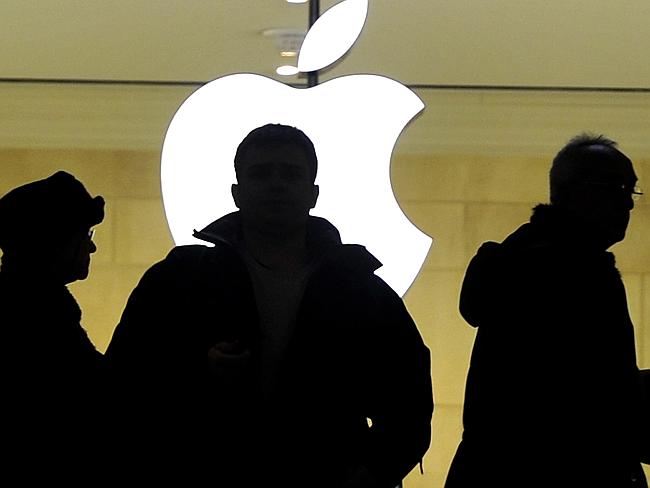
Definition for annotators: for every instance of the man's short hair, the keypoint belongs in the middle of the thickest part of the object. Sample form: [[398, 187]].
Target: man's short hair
[[578, 160], [273, 135]]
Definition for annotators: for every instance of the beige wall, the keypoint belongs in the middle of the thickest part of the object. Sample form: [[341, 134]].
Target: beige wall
[[464, 192]]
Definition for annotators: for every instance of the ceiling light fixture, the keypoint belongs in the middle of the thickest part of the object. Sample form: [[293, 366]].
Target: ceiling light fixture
[[287, 70]]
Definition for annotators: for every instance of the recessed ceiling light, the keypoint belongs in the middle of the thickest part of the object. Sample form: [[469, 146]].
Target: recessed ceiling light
[[286, 70]]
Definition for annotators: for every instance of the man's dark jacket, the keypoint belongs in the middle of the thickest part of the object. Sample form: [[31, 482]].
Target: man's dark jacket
[[51, 381], [355, 355], [551, 396]]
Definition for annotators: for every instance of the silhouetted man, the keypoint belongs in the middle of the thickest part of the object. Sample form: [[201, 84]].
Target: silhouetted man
[[276, 357], [51, 372], [552, 391]]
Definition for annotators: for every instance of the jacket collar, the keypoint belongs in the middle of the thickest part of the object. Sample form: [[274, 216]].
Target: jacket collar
[[322, 236], [551, 226], [227, 229]]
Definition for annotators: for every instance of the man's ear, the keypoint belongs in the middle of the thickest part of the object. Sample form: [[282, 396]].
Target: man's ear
[[315, 191], [234, 190]]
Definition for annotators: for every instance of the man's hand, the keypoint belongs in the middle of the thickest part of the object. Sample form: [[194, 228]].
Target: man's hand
[[228, 361], [360, 478]]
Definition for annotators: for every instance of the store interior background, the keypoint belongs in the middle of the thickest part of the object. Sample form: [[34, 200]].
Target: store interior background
[[90, 87]]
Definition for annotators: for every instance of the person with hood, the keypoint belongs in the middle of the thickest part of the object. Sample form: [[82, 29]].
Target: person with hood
[[552, 395], [274, 356], [52, 374]]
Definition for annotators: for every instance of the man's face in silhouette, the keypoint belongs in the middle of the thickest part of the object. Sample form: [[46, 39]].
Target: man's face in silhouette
[[603, 197], [275, 190], [74, 256], [67, 257]]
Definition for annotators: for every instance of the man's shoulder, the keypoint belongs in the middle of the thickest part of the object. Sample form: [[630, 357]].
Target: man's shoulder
[[495, 261], [349, 270], [351, 257], [523, 243], [199, 252], [188, 252], [347, 267]]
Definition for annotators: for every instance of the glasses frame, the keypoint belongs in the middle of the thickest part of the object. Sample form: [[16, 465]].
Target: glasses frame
[[636, 192]]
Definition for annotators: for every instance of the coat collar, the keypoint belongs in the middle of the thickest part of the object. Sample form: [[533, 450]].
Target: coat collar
[[227, 229], [322, 236], [559, 228]]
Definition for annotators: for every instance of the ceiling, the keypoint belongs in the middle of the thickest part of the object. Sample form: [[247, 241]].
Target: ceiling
[[111, 73], [559, 43]]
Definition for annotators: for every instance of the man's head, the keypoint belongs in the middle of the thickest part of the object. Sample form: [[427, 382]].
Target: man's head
[[271, 135], [276, 167], [594, 182], [46, 225]]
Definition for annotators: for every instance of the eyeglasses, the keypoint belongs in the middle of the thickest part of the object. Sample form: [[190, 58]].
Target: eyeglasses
[[91, 233], [635, 191]]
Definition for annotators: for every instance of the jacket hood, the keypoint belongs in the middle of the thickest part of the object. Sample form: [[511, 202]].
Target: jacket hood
[[497, 270]]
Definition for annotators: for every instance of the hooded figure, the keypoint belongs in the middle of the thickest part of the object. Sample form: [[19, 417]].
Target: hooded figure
[[51, 371]]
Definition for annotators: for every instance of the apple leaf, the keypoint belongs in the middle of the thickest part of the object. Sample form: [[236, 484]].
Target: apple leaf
[[332, 35]]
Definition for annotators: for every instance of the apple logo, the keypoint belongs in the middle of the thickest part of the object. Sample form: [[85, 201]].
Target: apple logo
[[354, 122]]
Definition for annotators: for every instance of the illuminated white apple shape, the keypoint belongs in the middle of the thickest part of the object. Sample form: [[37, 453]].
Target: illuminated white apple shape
[[354, 122]]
